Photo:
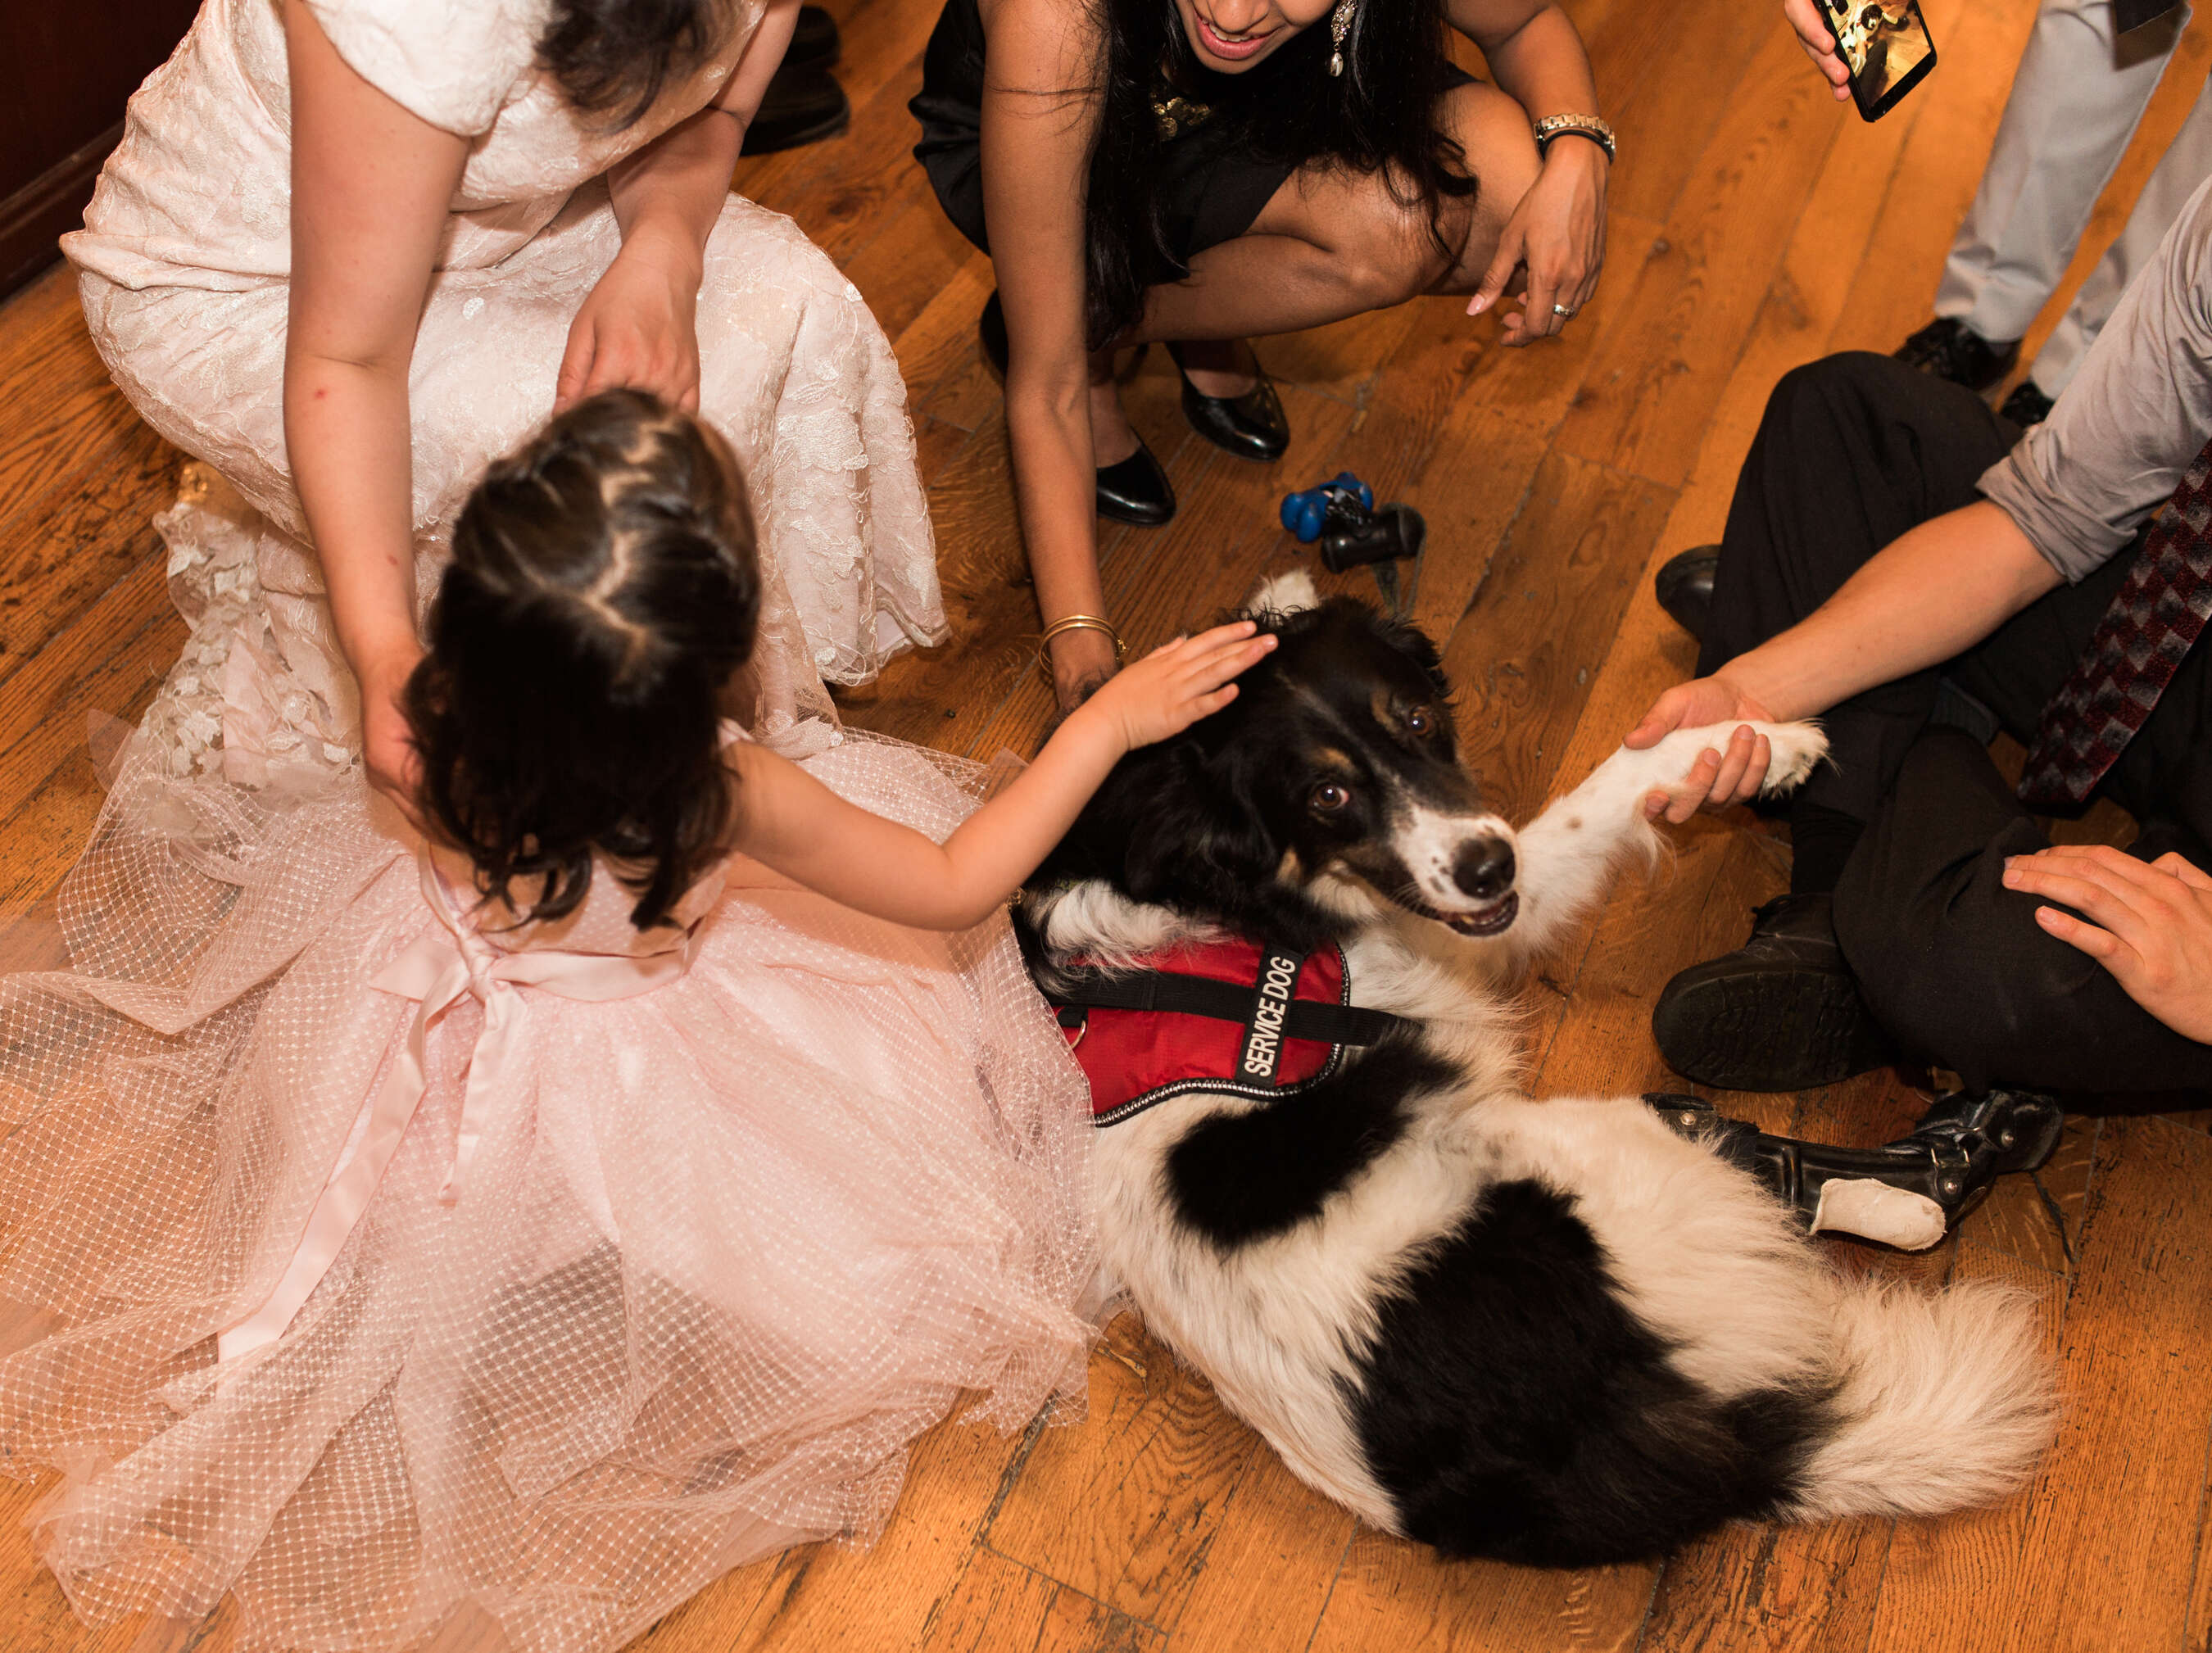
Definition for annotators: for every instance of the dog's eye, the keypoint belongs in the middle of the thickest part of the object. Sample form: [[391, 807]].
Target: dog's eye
[[1329, 797], [1421, 721]]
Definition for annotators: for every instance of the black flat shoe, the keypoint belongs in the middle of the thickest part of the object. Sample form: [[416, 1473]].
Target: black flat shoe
[[815, 43], [1136, 490], [1133, 490], [1781, 1012], [800, 107], [1945, 1168], [1950, 350], [1683, 585], [1252, 426]]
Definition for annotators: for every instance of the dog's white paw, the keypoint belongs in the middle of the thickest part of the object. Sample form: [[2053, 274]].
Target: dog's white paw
[[1794, 749], [1286, 593]]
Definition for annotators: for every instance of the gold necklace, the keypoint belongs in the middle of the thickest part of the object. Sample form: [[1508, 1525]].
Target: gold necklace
[[1175, 115]]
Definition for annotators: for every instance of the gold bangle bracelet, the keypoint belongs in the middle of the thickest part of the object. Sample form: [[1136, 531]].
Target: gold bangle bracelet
[[1075, 623]]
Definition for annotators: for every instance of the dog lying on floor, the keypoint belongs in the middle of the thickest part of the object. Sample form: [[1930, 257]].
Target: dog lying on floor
[[1549, 1332]]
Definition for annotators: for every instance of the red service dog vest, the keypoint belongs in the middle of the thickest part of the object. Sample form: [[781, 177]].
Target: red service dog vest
[[1231, 1016]]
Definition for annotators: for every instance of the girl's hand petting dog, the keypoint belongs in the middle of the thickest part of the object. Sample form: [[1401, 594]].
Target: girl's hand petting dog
[[2149, 924], [1176, 684]]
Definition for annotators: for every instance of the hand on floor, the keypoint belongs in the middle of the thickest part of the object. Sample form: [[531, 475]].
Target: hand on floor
[[2151, 924]]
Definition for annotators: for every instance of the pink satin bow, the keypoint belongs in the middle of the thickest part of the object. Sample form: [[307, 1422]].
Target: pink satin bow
[[442, 964]]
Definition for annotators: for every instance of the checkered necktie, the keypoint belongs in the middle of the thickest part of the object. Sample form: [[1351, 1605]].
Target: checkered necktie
[[2154, 620]]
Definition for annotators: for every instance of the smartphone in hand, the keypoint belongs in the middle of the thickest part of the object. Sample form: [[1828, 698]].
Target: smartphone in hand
[[1885, 45]]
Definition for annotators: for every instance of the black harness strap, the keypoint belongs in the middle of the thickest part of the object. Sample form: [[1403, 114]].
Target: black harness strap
[[1079, 988]]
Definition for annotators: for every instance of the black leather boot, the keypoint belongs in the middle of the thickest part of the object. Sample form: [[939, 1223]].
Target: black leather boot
[[1683, 585], [1934, 1177], [1781, 1012], [2027, 405], [1252, 426], [1135, 490], [1950, 350]]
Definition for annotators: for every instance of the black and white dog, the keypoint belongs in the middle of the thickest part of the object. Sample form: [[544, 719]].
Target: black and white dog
[[1551, 1332]]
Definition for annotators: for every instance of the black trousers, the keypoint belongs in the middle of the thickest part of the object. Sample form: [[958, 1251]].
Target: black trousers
[[1852, 452]]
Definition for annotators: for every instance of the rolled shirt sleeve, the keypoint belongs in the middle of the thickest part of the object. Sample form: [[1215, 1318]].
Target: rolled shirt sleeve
[[2138, 411]]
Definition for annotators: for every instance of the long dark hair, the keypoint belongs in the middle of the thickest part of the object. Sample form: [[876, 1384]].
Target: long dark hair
[[602, 591], [1379, 115], [615, 55]]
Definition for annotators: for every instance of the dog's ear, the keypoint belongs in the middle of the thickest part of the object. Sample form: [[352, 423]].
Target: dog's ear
[[1410, 640], [1286, 593], [1193, 842]]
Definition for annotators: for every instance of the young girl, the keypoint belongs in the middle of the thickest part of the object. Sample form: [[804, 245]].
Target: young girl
[[537, 1223]]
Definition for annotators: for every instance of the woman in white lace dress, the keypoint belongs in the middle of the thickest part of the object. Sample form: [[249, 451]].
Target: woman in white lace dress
[[350, 250]]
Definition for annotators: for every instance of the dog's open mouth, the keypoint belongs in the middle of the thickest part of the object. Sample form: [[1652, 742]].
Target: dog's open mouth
[[1490, 920]]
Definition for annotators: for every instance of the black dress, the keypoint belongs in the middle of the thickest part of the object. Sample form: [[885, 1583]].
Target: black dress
[[1212, 184]]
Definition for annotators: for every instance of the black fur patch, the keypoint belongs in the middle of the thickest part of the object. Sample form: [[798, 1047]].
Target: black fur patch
[[1513, 1407], [1240, 1177]]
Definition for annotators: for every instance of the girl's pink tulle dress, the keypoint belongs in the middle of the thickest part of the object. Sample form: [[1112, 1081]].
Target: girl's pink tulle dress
[[391, 1269]]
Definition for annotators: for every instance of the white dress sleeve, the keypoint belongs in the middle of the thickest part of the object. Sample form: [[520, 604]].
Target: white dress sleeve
[[455, 63]]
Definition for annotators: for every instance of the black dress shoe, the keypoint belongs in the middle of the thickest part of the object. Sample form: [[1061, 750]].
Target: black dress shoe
[[1962, 1145], [1133, 490], [1781, 1012], [815, 43], [1252, 426], [1684, 585], [2027, 405], [1136, 490], [800, 107], [1950, 350]]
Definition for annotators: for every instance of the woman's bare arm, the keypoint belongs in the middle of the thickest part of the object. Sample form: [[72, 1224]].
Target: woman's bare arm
[[638, 327], [1557, 229], [370, 183], [1040, 109]]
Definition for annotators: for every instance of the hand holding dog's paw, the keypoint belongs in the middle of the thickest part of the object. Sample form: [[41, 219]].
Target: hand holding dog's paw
[[1177, 683], [1724, 765]]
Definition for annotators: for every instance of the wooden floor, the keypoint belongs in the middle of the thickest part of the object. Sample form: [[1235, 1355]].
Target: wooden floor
[[1755, 225]]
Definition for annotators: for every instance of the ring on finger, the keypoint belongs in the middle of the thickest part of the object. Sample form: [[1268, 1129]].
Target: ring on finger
[[1565, 313]]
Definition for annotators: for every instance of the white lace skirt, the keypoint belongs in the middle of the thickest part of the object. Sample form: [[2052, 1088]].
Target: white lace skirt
[[794, 371]]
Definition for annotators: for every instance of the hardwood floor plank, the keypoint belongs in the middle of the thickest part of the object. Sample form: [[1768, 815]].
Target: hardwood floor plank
[[1127, 1509], [1647, 402], [1269, 1568], [1394, 1594], [1543, 621], [2098, 1553]]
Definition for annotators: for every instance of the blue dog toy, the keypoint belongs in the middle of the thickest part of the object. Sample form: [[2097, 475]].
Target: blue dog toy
[[1304, 513], [1342, 515]]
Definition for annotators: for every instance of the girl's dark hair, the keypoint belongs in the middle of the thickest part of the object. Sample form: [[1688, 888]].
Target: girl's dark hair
[[615, 55], [1380, 114], [603, 590]]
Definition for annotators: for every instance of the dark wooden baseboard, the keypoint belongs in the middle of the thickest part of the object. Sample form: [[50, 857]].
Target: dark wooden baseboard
[[47, 208]]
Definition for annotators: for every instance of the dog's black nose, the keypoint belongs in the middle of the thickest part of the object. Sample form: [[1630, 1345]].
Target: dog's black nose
[[1484, 868]]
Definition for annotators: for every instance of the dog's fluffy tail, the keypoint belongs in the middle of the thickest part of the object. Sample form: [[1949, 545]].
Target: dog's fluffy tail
[[1946, 1402]]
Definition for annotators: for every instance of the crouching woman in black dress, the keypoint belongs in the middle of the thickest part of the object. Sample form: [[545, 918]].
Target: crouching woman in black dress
[[1198, 172]]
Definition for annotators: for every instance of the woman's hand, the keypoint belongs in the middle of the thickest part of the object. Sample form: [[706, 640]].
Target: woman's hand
[[387, 739], [2150, 925], [1717, 780], [1804, 16], [1559, 232], [638, 328], [1174, 686]]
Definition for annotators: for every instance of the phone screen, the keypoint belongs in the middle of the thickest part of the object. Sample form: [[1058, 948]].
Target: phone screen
[[1885, 45]]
